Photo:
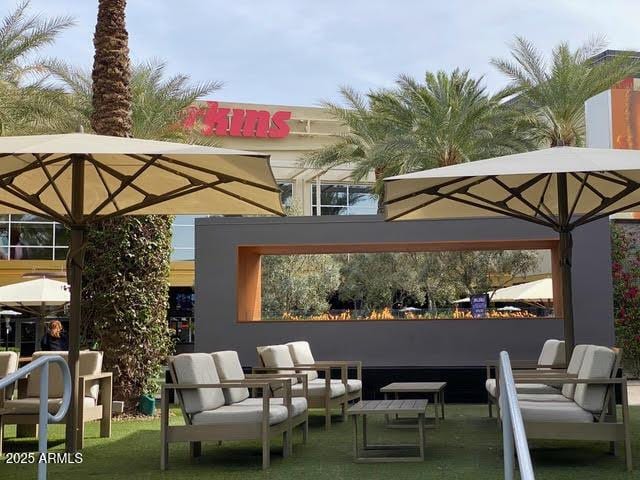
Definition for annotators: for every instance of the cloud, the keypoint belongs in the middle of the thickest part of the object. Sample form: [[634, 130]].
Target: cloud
[[293, 52]]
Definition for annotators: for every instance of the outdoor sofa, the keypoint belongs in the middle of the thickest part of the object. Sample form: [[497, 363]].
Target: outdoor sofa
[[552, 357], [95, 389], [585, 407], [325, 393], [216, 410]]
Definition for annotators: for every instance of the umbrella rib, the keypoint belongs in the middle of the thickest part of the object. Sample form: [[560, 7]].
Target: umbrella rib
[[517, 193], [507, 210], [427, 190], [583, 182], [220, 175], [54, 176], [123, 185], [30, 199], [607, 202], [53, 184], [30, 166], [115, 173], [608, 213], [104, 184]]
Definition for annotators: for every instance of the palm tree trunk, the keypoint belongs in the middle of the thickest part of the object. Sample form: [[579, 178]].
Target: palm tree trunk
[[379, 175], [111, 71]]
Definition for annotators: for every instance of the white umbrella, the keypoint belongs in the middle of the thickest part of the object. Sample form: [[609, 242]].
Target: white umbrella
[[35, 296], [538, 290], [78, 179], [561, 188]]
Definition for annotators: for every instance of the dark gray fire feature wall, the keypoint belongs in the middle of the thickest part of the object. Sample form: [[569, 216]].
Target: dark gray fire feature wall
[[435, 343]]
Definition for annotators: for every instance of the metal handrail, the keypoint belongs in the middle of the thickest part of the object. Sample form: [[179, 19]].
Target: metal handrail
[[44, 417], [513, 433]]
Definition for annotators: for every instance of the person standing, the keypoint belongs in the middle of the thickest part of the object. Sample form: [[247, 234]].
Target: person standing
[[55, 339]]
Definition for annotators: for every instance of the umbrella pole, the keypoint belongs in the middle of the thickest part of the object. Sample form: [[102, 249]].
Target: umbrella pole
[[565, 250], [74, 273]]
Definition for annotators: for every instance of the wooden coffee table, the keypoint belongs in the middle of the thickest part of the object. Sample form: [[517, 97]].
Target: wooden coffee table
[[428, 388], [370, 453]]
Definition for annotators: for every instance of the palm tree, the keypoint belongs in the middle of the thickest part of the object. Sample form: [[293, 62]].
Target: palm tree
[[448, 119], [360, 144], [158, 101], [551, 94], [27, 103]]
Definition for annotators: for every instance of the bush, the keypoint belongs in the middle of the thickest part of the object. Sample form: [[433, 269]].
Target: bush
[[125, 300], [626, 297]]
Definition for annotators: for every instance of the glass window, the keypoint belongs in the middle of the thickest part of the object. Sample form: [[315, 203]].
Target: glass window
[[286, 194], [183, 254], [337, 199]]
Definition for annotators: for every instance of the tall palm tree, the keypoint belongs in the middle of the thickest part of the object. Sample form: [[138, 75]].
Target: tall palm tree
[[551, 93], [447, 119], [27, 102], [158, 101], [361, 142]]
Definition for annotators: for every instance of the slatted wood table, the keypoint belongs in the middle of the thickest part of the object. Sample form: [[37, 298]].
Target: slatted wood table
[[370, 453], [428, 388]]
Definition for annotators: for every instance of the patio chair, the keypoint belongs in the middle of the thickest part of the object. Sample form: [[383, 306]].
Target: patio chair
[[207, 418], [8, 365], [552, 356], [590, 414], [229, 369], [322, 392], [302, 357], [95, 389]]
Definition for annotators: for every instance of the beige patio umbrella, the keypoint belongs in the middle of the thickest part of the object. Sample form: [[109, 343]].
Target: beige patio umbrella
[[561, 188], [535, 291], [78, 179]]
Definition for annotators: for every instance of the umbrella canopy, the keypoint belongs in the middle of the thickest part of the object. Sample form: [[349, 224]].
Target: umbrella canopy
[[599, 182], [538, 290], [35, 296], [78, 179], [561, 188], [132, 176]]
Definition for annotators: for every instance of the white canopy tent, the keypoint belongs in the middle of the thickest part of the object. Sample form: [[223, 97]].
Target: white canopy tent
[[536, 291]]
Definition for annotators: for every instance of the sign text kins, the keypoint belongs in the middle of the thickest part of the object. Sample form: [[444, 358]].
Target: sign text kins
[[238, 122]]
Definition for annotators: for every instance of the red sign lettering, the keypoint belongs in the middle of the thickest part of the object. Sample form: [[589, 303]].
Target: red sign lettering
[[237, 122]]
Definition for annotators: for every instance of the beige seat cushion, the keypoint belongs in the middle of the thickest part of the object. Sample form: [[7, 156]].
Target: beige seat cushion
[[198, 368], [552, 353], [524, 388], [301, 354], [597, 364], [543, 397], [554, 412], [316, 388], [353, 385], [8, 363], [298, 404], [577, 356], [90, 363], [278, 357], [229, 368], [238, 414], [32, 405]]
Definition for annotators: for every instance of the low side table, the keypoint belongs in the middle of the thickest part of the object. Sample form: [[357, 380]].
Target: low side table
[[370, 453], [436, 389]]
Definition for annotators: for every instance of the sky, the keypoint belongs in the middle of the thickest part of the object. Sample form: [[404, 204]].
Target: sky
[[300, 52]]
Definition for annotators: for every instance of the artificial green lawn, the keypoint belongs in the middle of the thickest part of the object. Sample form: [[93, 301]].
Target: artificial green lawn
[[465, 446]]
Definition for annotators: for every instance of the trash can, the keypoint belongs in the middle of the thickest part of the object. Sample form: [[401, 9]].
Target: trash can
[[147, 405]]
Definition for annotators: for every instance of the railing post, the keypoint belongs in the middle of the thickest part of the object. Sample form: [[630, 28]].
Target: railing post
[[43, 421], [513, 433], [507, 435]]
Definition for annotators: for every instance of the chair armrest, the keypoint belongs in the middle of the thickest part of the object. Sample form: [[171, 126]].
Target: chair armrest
[[322, 368], [543, 374], [95, 376], [302, 377], [576, 381], [342, 364], [233, 384]]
